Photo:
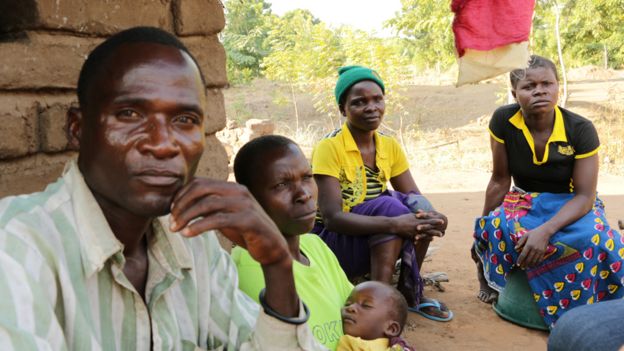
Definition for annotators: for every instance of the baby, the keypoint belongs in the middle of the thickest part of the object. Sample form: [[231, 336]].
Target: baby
[[373, 318]]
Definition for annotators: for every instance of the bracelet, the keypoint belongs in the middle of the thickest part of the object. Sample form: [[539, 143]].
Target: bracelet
[[290, 320]]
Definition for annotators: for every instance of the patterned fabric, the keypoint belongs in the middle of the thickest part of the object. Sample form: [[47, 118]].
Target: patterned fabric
[[322, 285], [62, 285], [583, 263], [338, 156], [374, 187]]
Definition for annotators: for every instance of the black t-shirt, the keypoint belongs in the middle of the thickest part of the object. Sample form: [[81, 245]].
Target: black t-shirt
[[573, 137]]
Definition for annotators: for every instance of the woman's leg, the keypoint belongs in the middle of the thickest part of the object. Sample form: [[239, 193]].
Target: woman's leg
[[486, 293], [383, 258]]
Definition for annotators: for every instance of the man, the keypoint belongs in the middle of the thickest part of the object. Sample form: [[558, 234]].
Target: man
[[93, 263]]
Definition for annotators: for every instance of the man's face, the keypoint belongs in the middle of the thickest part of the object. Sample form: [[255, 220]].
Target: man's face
[[141, 135], [285, 187]]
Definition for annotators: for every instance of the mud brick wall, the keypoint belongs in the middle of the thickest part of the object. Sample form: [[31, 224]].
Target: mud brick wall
[[43, 44]]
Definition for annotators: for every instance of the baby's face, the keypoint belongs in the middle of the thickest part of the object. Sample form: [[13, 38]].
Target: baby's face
[[367, 311]]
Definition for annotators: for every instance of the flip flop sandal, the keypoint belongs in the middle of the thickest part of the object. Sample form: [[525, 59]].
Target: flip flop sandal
[[431, 303]]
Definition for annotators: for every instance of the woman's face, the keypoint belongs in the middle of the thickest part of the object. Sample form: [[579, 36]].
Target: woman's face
[[364, 106], [538, 91]]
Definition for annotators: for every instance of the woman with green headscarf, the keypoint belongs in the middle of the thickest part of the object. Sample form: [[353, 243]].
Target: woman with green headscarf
[[366, 225]]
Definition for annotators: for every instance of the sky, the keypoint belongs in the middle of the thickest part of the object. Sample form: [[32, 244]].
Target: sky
[[362, 14]]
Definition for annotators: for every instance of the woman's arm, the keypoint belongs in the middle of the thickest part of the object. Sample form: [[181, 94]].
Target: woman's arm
[[500, 181], [330, 205], [405, 183], [585, 178]]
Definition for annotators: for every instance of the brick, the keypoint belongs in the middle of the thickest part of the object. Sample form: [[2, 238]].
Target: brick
[[53, 127], [214, 161], [83, 16], [29, 174], [215, 111], [210, 56], [43, 61], [19, 134], [193, 17]]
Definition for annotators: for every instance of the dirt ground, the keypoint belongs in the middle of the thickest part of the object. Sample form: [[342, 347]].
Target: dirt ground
[[475, 325]]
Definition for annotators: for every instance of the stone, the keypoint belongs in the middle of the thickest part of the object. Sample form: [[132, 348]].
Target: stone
[[19, 134], [83, 16], [210, 56], [260, 126], [193, 17], [29, 174], [215, 111], [39, 60], [214, 161], [53, 127]]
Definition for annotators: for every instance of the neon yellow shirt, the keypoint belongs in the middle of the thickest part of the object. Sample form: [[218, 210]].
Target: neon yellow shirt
[[322, 285], [338, 156]]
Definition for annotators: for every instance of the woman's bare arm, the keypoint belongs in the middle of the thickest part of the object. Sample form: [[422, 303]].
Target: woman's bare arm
[[500, 181], [330, 204]]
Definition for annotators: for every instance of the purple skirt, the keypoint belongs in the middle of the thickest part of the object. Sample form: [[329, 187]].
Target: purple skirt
[[353, 252]]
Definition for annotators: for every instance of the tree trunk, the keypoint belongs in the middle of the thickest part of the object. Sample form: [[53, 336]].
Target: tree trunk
[[606, 56], [294, 99], [564, 76]]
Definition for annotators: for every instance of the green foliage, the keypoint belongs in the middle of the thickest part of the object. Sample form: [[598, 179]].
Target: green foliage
[[587, 28], [244, 38], [302, 48], [427, 27]]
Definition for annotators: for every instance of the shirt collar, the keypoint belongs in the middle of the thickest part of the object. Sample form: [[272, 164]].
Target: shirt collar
[[349, 142], [558, 133], [98, 243]]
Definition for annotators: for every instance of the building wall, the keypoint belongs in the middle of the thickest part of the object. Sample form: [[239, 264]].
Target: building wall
[[43, 44]]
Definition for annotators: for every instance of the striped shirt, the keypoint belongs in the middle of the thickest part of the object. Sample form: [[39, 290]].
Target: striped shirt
[[62, 285]]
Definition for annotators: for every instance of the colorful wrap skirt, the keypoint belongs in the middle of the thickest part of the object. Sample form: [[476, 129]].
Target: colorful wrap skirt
[[353, 252], [583, 261]]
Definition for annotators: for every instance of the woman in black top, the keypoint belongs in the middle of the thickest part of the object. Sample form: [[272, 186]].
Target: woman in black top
[[551, 223]]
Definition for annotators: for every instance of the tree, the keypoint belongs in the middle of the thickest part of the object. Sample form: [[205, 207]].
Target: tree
[[303, 50], [427, 26], [244, 38]]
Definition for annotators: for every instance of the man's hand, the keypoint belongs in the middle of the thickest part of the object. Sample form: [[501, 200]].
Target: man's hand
[[532, 246], [206, 204]]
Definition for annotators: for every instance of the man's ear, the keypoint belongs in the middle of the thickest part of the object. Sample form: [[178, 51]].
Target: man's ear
[[74, 127], [513, 93], [392, 329], [342, 110]]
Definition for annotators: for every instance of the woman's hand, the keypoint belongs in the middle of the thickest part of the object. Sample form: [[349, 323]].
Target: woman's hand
[[533, 247], [437, 229], [412, 225]]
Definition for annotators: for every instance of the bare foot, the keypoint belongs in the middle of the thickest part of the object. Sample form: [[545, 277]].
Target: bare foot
[[486, 293]]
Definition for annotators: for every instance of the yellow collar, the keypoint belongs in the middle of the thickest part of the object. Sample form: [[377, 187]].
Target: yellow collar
[[558, 133], [349, 142]]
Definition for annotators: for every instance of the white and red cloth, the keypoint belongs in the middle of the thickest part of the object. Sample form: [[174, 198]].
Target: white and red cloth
[[491, 37]]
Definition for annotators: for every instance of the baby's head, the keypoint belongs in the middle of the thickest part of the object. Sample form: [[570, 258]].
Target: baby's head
[[374, 310]]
